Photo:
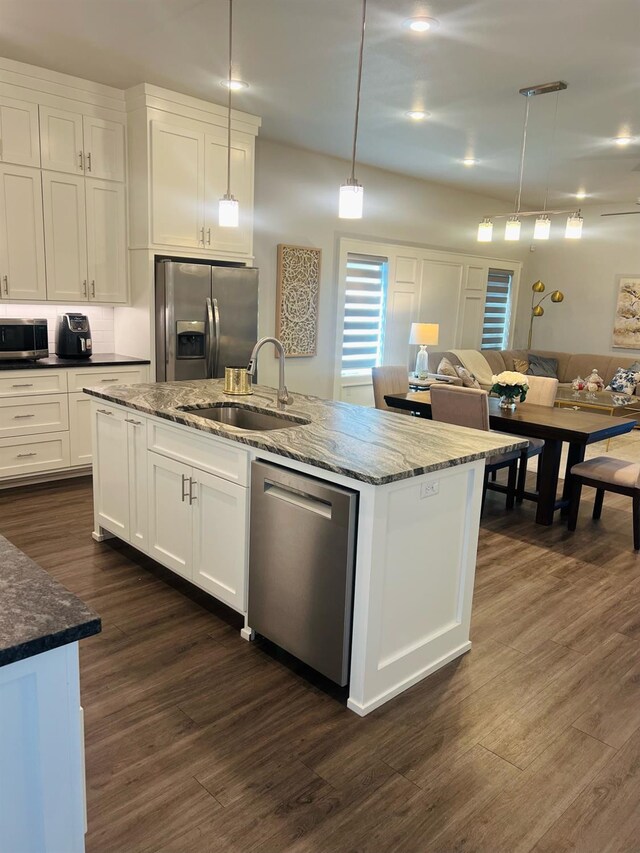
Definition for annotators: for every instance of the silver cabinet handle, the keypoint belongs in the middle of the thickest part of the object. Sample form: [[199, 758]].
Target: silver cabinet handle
[[192, 497], [184, 483], [89, 161], [105, 412], [84, 288], [19, 417], [112, 379], [25, 455], [22, 385], [202, 235], [131, 421], [81, 162], [93, 287], [5, 279], [208, 236]]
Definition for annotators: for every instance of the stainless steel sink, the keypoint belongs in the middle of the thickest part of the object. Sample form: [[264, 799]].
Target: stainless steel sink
[[238, 416]]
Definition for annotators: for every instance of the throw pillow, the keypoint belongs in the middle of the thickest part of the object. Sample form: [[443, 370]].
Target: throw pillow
[[624, 381], [539, 365], [445, 368], [520, 365], [468, 379]]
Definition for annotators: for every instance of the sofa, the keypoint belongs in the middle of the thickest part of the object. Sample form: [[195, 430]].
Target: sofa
[[570, 365]]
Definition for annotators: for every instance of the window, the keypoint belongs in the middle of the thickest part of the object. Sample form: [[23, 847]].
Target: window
[[364, 312], [497, 310]]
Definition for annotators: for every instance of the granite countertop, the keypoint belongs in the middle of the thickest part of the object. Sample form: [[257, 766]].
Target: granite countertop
[[100, 359], [37, 613], [365, 444]]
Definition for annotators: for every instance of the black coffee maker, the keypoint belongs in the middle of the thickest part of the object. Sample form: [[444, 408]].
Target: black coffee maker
[[73, 339]]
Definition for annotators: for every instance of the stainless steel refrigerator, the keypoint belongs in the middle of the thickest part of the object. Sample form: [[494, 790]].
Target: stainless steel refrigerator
[[206, 319]]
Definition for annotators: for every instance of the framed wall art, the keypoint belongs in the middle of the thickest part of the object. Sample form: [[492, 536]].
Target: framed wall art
[[298, 287], [626, 326]]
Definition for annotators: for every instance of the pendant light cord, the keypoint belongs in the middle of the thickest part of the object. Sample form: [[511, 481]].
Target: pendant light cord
[[551, 152], [524, 148], [229, 100], [355, 127]]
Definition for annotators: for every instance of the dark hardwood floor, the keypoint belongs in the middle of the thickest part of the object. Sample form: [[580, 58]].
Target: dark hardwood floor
[[198, 742]]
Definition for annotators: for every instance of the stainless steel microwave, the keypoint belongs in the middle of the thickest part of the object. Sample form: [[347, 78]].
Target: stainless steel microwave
[[23, 339]]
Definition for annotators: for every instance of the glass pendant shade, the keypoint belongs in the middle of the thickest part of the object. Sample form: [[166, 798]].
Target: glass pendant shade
[[485, 231], [542, 228], [512, 229], [351, 200], [228, 212], [574, 227]]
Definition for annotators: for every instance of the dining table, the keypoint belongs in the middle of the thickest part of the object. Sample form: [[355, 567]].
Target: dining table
[[554, 425]]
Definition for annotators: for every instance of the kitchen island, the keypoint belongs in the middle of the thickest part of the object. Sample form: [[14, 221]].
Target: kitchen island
[[176, 485]]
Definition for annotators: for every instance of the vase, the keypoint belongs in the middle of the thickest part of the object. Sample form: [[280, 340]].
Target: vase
[[508, 403]]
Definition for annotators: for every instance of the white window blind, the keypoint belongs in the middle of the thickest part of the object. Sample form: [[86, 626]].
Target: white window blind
[[497, 310], [364, 311]]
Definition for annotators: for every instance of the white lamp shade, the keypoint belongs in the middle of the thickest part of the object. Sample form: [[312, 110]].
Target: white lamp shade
[[485, 231], [228, 213], [512, 229], [351, 201], [542, 228], [574, 227], [424, 333]]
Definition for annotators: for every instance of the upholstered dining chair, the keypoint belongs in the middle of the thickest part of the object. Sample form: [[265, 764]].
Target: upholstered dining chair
[[390, 379], [470, 407], [542, 392], [605, 474]]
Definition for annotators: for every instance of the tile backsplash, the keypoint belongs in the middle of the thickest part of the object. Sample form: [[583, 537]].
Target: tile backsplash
[[101, 320]]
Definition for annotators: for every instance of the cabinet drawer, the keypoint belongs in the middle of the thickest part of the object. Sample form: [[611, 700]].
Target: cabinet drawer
[[20, 383], [46, 413], [211, 454], [32, 454], [91, 377]]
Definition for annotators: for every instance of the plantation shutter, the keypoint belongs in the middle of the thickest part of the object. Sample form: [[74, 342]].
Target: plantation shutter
[[497, 310], [364, 309]]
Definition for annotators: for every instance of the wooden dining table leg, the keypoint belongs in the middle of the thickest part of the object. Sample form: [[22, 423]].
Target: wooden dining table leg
[[575, 454], [549, 472]]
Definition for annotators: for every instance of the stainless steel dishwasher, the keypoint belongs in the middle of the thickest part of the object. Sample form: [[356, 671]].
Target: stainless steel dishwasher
[[301, 566]]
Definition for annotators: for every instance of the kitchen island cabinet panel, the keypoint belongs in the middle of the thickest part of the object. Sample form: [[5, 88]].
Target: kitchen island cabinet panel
[[170, 517], [110, 461]]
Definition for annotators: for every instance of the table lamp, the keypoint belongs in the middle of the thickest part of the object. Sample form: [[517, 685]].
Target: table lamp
[[423, 334]]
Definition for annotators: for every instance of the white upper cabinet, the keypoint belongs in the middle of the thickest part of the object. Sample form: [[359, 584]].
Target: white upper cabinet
[[61, 141], [235, 240], [19, 138], [106, 241], [103, 149], [177, 188], [22, 268], [65, 236], [82, 145]]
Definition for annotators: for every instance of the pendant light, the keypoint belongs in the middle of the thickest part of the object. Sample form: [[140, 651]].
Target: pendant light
[[574, 226], [485, 231], [352, 192], [228, 207]]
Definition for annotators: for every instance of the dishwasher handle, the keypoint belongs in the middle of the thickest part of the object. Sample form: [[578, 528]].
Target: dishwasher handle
[[303, 500]]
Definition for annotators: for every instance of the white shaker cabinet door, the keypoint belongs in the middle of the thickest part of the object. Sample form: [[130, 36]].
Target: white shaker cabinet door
[[106, 241], [61, 141], [233, 240], [103, 149], [170, 514], [22, 269], [138, 479], [19, 136], [110, 487], [177, 186], [65, 236], [220, 538], [80, 428]]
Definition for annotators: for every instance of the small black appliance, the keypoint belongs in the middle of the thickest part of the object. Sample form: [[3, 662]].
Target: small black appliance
[[73, 339]]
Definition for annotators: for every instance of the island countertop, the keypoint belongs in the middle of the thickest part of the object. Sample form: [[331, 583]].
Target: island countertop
[[365, 444], [38, 613]]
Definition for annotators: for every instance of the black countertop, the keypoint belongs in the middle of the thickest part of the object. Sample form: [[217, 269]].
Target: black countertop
[[100, 359], [36, 612]]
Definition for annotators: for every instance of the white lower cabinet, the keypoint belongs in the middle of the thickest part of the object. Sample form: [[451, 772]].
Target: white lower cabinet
[[110, 471], [80, 428], [170, 516]]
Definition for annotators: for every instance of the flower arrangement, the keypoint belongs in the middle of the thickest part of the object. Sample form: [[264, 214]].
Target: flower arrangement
[[508, 385]]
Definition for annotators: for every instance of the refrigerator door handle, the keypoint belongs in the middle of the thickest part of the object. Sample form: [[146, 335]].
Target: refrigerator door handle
[[210, 337], [216, 319]]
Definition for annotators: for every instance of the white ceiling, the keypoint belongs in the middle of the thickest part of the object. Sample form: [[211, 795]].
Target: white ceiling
[[300, 58]]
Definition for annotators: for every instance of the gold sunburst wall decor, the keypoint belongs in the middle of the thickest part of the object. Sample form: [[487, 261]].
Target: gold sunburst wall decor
[[298, 288]]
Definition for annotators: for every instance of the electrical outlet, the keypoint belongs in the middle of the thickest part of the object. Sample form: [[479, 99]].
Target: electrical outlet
[[427, 490]]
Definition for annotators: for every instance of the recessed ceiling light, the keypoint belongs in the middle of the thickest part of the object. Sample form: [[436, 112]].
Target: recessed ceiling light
[[623, 140], [421, 24], [234, 85], [581, 194], [469, 161], [418, 115]]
